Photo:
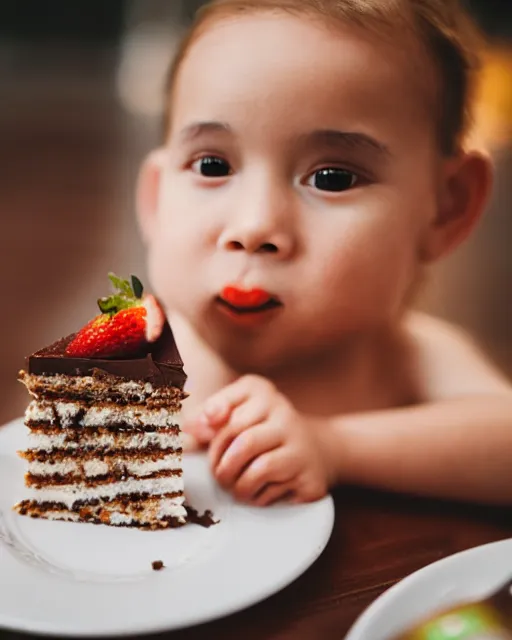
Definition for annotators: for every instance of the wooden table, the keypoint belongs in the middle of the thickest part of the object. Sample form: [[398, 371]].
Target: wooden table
[[377, 540]]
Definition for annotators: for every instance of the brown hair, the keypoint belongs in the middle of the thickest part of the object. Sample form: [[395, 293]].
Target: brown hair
[[442, 26]]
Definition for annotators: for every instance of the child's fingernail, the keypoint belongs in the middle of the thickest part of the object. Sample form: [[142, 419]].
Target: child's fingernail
[[206, 434], [205, 421], [189, 443], [213, 411], [204, 430]]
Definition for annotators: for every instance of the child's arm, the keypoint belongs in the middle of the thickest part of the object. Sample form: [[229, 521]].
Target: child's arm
[[455, 449], [457, 443]]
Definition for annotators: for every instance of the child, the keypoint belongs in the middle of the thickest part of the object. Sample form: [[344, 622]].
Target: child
[[313, 167]]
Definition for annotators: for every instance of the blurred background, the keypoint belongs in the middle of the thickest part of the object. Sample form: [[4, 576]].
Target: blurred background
[[80, 99]]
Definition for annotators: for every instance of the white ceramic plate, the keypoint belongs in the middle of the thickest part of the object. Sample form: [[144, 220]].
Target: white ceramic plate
[[470, 575], [77, 579]]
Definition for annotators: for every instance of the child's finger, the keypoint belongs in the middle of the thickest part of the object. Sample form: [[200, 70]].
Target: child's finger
[[190, 444], [247, 415], [251, 412], [274, 493], [220, 405], [270, 468], [247, 446], [155, 318], [199, 428], [215, 413]]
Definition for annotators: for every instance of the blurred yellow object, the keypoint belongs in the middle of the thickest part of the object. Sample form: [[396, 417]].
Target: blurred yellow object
[[493, 113], [488, 619]]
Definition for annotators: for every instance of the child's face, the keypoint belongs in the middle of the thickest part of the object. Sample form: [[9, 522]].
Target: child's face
[[301, 161]]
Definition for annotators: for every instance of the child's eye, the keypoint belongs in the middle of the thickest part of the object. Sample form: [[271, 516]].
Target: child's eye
[[332, 179], [212, 167]]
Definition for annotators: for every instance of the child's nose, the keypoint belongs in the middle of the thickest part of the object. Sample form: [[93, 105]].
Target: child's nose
[[252, 241], [261, 230]]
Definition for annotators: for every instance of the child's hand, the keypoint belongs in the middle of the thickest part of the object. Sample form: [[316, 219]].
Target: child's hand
[[261, 448]]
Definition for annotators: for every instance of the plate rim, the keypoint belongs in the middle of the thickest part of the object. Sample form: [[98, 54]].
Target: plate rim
[[359, 627], [147, 627]]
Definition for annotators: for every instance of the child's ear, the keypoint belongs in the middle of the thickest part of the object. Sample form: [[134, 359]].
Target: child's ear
[[148, 193], [467, 184]]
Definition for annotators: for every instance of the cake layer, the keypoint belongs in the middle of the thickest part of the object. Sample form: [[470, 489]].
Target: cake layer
[[101, 388], [115, 466], [74, 431], [70, 480], [86, 458], [80, 493], [120, 502], [101, 442], [149, 513], [45, 414]]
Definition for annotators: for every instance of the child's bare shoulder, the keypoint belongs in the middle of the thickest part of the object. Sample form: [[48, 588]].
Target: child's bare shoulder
[[447, 361]]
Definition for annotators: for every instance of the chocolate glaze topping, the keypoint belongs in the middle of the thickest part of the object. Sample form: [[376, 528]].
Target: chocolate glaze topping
[[161, 365]]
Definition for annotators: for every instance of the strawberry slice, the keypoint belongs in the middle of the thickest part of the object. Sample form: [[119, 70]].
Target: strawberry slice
[[121, 330], [245, 299]]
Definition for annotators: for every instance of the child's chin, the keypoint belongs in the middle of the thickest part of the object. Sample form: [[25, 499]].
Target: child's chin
[[261, 355]]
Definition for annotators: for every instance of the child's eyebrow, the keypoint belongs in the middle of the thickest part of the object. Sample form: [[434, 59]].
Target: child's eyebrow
[[326, 137], [193, 131], [345, 139]]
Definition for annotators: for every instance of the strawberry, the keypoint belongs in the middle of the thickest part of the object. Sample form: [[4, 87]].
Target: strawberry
[[121, 329]]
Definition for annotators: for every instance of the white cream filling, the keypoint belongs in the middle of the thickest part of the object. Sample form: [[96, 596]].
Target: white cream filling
[[69, 494], [171, 507], [37, 412], [101, 416], [92, 468], [177, 511], [136, 387], [67, 412], [44, 442], [121, 518]]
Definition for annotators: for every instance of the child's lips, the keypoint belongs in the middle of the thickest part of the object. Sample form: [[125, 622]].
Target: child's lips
[[247, 301]]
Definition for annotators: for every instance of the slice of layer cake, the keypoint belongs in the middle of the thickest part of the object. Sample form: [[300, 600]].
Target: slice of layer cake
[[105, 440]]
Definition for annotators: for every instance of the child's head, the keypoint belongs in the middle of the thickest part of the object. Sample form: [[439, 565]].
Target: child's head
[[443, 30], [314, 148]]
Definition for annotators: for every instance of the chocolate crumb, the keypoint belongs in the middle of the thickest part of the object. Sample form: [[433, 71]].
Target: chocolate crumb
[[204, 520], [157, 565]]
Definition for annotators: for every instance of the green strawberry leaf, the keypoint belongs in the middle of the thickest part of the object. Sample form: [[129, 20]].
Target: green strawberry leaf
[[123, 286], [107, 305], [137, 287], [125, 296], [114, 304]]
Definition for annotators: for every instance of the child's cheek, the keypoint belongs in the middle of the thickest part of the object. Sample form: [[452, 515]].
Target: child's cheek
[[171, 260]]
